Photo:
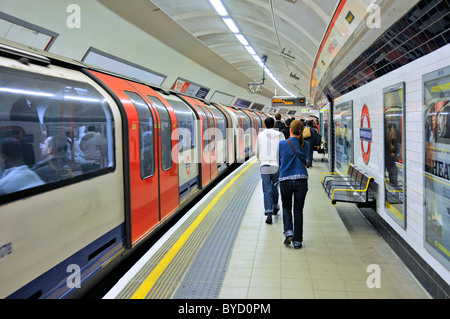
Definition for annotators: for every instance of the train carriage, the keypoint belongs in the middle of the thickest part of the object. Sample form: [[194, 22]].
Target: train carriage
[[113, 148]]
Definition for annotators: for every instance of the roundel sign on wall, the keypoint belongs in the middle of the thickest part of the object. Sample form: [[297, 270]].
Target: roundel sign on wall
[[365, 134]]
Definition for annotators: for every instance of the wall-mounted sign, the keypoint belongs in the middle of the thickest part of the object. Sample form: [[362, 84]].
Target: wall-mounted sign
[[343, 119], [288, 101], [189, 88], [242, 103], [394, 152], [436, 112], [365, 134]]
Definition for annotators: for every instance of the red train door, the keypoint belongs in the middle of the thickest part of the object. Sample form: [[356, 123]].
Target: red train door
[[230, 138], [166, 148], [240, 135], [144, 212], [208, 161], [211, 146]]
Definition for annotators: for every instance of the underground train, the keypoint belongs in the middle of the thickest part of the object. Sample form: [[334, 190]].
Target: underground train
[[92, 163]]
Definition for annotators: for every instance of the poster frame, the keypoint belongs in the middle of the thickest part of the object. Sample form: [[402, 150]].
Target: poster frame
[[337, 110], [436, 75], [394, 213]]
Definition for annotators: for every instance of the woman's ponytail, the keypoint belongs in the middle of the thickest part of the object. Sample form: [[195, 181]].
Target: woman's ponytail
[[297, 129]]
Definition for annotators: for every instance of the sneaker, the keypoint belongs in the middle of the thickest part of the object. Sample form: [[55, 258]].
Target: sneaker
[[288, 240], [297, 244], [276, 210], [269, 219]]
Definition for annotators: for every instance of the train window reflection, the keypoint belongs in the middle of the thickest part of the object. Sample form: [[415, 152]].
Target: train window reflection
[[51, 130], [186, 124], [166, 133], [146, 138]]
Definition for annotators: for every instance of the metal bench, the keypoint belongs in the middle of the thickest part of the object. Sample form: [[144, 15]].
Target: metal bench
[[352, 186]]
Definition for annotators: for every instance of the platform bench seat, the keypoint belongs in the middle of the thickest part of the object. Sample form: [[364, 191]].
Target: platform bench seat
[[352, 186]]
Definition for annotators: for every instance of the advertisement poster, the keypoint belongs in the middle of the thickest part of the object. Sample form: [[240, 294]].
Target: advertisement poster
[[343, 119], [394, 152], [436, 86], [191, 89]]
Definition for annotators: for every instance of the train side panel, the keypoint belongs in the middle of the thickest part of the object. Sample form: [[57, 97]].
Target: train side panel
[[41, 223]]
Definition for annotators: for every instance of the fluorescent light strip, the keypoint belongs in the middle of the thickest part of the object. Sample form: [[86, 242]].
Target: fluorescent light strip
[[222, 11], [218, 6], [241, 39], [250, 49], [231, 25]]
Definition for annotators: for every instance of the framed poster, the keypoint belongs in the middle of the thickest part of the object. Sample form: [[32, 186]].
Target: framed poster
[[394, 152], [343, 121], [436, 110]]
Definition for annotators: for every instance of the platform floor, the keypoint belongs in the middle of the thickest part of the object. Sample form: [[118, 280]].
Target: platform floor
[[223, 249]]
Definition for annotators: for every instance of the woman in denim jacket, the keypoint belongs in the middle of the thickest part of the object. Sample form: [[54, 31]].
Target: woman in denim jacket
[[293, 181]]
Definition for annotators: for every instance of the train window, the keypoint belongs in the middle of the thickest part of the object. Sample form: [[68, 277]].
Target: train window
[[245, 119], [209, 135], [51, 130], [146, 138], [205, 125], [186, 125], [221, 126], [166, 133]]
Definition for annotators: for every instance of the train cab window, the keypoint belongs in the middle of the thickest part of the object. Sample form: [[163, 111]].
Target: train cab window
[[186, 125], [51, 130], [146, 138], [166, 133]]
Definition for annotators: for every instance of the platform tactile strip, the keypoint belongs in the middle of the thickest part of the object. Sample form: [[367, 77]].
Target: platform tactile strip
[[169, 281], [204, 278]]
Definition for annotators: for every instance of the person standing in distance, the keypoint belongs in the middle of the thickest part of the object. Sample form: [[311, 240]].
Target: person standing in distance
[[267, 155]]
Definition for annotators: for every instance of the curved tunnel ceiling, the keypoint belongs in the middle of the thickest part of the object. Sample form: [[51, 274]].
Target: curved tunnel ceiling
[[306, 41]]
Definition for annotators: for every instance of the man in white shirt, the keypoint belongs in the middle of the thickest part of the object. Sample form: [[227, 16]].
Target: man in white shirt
[[267, 155]]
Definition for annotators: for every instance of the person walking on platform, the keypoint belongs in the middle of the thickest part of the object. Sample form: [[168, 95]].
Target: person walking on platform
[[287, 128], [293, 179], [279, 124], [310, 135], [267, 154]]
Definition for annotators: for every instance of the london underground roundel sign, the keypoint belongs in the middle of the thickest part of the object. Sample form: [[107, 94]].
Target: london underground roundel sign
[[365, 134]]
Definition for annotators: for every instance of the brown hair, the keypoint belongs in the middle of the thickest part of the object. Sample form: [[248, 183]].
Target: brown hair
[[297, 130]]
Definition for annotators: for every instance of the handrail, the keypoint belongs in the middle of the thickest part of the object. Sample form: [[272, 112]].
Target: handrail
[[334, 173]]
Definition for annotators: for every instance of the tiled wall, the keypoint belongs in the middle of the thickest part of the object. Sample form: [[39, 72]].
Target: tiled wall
[[423, 39], [372, 96]]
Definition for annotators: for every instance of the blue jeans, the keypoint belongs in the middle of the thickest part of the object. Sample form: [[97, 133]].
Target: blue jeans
[[270, 191], [311, 151], [298, 188]]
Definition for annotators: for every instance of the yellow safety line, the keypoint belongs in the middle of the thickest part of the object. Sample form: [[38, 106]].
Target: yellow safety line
[[154, 275]]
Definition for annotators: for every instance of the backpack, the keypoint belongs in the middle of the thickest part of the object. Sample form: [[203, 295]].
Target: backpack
[[306, 132]]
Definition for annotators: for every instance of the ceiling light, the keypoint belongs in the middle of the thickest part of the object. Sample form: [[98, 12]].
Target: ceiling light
[[218, 6], [241, 38], [250, 49], [222, 11], [231, 25]]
